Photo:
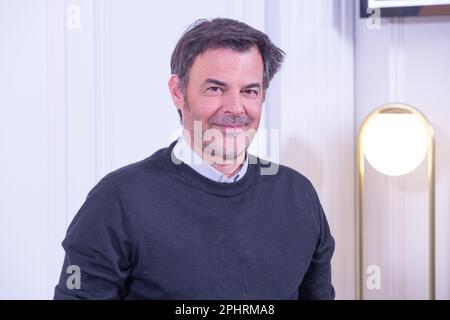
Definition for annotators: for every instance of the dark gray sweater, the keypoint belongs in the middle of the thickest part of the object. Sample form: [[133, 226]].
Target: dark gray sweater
[[159, 230]]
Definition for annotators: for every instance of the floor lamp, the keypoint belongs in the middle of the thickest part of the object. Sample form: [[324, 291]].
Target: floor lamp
[[395, 139]]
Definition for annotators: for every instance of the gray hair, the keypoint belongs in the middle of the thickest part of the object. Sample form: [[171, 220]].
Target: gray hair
[[223, 33]]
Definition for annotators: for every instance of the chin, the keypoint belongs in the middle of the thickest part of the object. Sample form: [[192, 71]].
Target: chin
[[220, 151], [234, 152]]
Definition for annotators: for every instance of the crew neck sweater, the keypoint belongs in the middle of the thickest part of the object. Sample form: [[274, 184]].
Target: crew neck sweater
[[157, 229]]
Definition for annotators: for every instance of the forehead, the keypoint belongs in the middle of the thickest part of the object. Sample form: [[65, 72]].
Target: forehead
[[227, 64]]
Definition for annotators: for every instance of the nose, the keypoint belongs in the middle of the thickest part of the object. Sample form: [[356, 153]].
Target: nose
[[233, 103]]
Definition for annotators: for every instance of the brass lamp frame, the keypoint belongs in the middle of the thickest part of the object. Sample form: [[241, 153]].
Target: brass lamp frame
[[397, 108]]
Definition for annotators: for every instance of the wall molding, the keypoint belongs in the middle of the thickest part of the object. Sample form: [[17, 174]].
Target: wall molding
[[102, 85], [57, 183]]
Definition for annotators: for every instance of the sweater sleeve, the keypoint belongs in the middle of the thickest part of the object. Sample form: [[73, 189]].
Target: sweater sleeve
[[316, 283], [98, 248]]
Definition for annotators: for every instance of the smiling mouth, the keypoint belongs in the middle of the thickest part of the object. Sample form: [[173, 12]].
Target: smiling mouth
[[230, 128]]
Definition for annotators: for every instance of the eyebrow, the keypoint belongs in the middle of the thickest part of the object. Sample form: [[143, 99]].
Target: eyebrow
[[214, 81], [253, 85], [223, 84]]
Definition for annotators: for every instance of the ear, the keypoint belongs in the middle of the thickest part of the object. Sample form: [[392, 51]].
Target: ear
[[176, 92]]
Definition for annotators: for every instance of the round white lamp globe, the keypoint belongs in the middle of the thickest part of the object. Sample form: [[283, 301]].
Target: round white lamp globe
[[394, 143]]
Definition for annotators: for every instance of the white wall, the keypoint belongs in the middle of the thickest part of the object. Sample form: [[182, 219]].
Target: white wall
[[77, 101], [24, 145], [406, 60]]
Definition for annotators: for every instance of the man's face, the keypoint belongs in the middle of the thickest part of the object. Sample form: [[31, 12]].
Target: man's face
[[222, 101]]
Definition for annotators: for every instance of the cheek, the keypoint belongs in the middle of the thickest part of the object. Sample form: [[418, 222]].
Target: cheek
[[205, 108], [254, 112]]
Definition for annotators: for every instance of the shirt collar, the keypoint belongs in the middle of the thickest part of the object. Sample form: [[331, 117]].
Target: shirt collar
[[184, 152]]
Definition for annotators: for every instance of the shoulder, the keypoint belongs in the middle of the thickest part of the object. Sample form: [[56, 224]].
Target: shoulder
[[296, 190], [282, 174], [152, 168], [150, 173]]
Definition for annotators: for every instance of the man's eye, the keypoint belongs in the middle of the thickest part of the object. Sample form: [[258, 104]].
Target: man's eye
[[251, 93], [214, 90]]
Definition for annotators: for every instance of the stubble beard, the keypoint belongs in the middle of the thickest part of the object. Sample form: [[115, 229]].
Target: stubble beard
[[216, 146]]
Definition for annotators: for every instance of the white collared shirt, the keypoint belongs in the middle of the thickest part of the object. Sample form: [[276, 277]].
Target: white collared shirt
[[184, 153]]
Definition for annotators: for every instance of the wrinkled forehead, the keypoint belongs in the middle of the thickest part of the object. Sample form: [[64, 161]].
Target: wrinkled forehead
[[228, 65]]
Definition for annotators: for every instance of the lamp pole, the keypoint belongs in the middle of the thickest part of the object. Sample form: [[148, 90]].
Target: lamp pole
[[396, 108]]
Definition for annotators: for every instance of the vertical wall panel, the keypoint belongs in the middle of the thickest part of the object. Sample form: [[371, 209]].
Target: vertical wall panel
[[24, 149], [314, 110], [57, 156]]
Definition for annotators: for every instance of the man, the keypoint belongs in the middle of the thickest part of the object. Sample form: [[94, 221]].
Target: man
[[203, 219]]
